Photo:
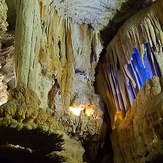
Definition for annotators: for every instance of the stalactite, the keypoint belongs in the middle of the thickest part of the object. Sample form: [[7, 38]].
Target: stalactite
[[134, 55], [54, 51], [95, 14]]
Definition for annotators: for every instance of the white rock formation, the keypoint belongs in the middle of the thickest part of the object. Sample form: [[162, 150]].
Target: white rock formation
[[56, 58], [97, 13]]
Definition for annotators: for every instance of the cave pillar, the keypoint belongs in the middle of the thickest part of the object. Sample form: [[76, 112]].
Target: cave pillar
[[27, 48], [28, 31]]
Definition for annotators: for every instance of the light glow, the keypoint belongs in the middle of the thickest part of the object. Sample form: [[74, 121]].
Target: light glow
[[76, 110], [18, 147]]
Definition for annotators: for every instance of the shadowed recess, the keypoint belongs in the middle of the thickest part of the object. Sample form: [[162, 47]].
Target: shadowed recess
[[40, 143]]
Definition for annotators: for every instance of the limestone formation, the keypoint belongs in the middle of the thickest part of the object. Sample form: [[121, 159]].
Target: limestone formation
[[138, 138], [56, 58], [6, 54], [94, 13], [134, 55], [23, 111], [134, 58], [3, 16], [48, 90]]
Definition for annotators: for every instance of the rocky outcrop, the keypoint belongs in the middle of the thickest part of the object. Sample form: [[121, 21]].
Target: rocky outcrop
[[7, 71], [3, 16], [138, 138], [23, 111]]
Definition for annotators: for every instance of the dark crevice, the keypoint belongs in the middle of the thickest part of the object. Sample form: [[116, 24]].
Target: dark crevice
[[29, 139], [11, 15], [127, 10]]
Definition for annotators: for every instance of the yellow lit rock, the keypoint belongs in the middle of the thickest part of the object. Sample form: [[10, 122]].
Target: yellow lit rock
[[89, 111]]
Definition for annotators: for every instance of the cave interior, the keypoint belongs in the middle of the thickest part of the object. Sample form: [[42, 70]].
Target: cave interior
[[81, 81]]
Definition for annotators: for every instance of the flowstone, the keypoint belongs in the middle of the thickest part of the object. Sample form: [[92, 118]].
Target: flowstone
[[22, 112]]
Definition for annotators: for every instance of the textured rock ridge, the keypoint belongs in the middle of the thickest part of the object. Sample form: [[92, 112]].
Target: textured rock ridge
[[23, 111], [3, 16], [96, 13], [138, 138], [6, 53]]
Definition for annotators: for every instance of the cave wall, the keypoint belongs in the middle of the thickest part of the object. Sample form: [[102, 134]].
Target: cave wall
[[3, 16], [138, 138], [130, 81], [25, 127], [23, 118], [6, 53], [133, 56], [3, 25], [56, 58]]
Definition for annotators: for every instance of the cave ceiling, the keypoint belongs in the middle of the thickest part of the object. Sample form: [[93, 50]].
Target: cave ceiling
[[98, 13]]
